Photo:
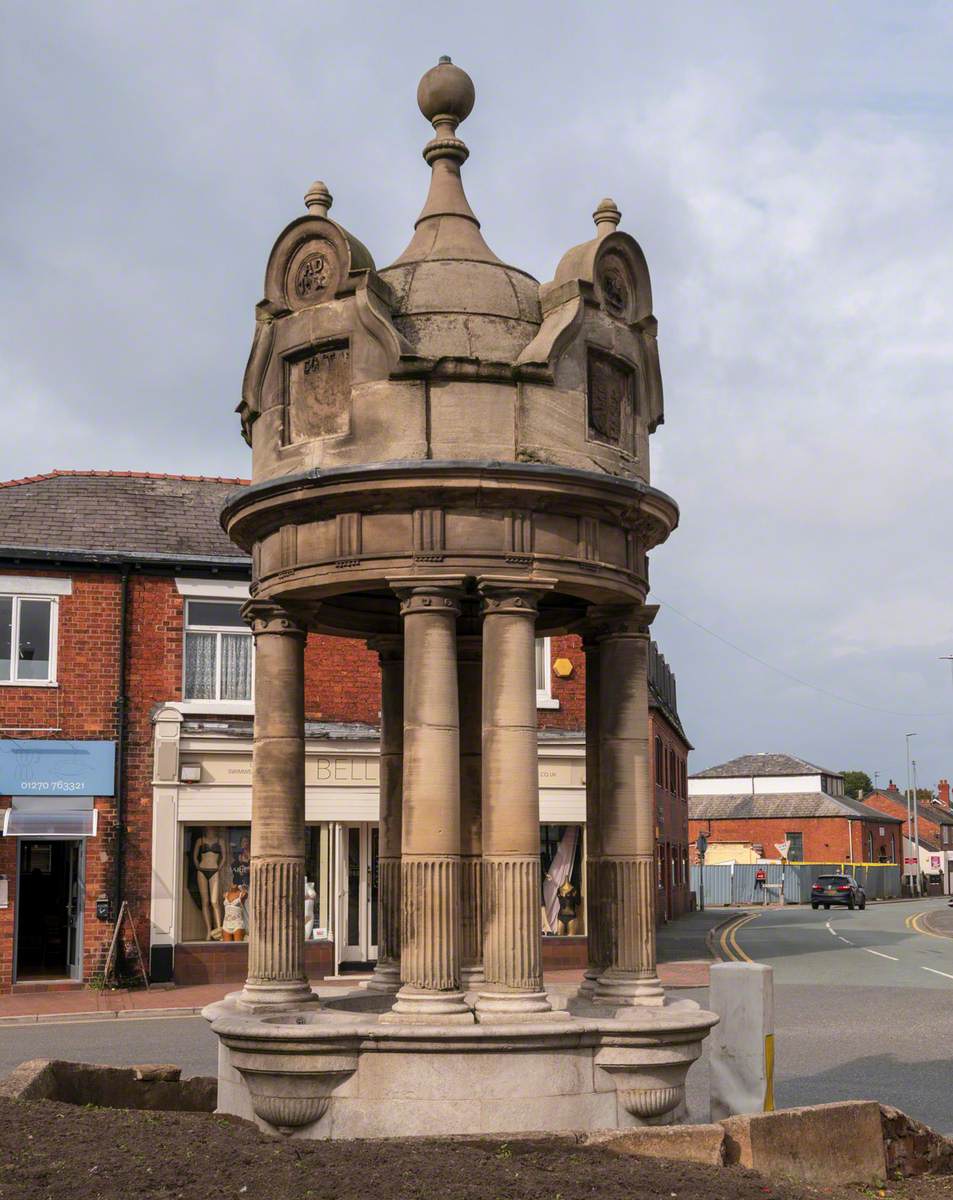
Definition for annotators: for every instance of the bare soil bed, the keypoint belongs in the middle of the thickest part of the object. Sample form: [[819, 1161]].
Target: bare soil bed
[[50, 1151]]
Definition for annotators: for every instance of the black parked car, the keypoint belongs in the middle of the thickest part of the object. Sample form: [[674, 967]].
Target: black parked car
[[838, 889]]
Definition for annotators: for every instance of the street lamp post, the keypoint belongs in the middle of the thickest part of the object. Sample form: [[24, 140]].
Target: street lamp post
[[916, 831], [915, 883]]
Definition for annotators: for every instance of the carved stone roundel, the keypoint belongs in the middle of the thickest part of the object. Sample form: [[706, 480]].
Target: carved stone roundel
[[616, 287], [312, 276]]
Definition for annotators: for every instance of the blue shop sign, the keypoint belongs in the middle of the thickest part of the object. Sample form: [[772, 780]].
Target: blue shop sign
[[57, 768]]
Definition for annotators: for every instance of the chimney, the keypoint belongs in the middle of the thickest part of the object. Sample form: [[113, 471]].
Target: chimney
[[943, 792], [892, 787]]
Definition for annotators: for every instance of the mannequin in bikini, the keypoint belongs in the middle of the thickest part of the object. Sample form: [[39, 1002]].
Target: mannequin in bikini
[[234, 927], [207, 858]]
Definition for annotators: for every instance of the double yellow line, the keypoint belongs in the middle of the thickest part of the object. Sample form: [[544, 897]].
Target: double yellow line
[[915, 923], [728, 942]]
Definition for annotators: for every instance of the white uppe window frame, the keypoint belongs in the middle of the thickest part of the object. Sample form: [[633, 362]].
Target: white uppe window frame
[[544, 674], [214, 703], [17, 597]]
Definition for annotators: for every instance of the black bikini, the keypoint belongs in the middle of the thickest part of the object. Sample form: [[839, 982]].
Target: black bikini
[[203, 849]]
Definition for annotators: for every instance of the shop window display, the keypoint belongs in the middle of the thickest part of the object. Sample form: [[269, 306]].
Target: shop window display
[[563, 908], [216, 877]]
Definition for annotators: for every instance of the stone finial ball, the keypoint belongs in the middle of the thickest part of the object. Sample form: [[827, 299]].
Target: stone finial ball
[[445, 90]]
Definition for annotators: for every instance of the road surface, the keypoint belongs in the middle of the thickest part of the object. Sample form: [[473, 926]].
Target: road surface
[[863, 1003]]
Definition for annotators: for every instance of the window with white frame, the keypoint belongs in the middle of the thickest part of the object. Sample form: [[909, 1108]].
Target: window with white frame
[[544, 675], [218, 651], [27, 639]]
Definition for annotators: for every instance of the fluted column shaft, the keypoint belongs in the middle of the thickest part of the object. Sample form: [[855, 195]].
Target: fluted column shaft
[[276, 974], [390, 651], [470, 684], [595, 918], [626, 812], [512, 951], [430, 842]]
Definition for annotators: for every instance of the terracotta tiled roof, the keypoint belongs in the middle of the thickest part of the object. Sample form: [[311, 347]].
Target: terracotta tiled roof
[[133, 514], [763, 764]]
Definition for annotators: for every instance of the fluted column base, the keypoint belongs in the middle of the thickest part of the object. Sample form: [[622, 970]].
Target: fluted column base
[[386, 977], [276, 975], [471, 920], [594, 931], [512, 954], [430, 943], [628, 891]]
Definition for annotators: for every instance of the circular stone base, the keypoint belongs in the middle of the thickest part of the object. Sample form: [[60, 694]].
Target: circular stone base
[[346, 1072]]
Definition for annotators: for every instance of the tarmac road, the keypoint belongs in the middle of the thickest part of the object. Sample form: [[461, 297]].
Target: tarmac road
[[863, 1010], [863, 1003]]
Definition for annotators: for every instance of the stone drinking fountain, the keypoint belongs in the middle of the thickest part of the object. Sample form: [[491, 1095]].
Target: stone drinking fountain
[[449, 461]]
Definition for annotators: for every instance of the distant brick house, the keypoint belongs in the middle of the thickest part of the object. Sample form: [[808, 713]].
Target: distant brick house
[[935, 828], [765, 800], [126, 734]]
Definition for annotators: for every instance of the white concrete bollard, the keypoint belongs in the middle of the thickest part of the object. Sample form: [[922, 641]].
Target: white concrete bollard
[[742, 1043]]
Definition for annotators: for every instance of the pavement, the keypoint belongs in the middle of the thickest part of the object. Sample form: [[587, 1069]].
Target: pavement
[[682, 952]]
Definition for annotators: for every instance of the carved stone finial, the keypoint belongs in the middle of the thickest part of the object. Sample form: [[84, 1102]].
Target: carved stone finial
[[607, 216], [446, 93], [318, 199]]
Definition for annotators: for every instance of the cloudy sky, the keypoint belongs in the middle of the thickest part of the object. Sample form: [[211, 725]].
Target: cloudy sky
[[785, 166]]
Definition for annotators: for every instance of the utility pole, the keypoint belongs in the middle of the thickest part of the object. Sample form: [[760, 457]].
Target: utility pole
[[916, 829], [914, 883]]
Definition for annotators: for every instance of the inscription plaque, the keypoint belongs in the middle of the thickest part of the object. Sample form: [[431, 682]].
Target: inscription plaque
[[319, 393], [611, 400]]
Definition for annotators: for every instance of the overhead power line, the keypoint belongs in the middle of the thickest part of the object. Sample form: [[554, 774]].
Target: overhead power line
[[890, 712]]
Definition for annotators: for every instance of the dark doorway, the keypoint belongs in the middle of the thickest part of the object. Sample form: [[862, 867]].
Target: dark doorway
[[49, 909]]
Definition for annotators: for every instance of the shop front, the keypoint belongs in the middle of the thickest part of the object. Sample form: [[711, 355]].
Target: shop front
[[201, 846], [53, 787]]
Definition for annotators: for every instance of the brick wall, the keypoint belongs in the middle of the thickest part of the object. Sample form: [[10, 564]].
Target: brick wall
[[826, 839], [342, 683], [342, 680], [80, 707]]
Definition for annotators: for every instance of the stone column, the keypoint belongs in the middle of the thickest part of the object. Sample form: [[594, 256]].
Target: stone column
[[595, 918], [470, 679], [512, 951], [390, 652], [276, 974], [627, 811], [430, 843]]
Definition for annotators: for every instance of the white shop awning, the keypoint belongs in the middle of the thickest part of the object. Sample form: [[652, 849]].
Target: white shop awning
[[62, 823]]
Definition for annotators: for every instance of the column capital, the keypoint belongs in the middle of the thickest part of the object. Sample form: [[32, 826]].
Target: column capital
[[621, 620], [517, 596], [427, 598], [266, 617]]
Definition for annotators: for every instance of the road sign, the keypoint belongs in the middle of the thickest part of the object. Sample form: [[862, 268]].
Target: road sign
[[783, 848]]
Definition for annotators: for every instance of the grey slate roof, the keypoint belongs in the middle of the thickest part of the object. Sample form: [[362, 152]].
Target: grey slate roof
[[787, 805], [132, 514], [763, 764]]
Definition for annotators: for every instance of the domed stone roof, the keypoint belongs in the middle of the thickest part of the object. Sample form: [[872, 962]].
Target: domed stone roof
[[453, 297]]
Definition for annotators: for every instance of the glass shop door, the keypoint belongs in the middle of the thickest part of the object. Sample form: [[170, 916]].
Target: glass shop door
[[356, 934]]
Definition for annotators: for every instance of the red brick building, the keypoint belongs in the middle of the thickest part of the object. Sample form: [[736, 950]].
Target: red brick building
[[124, 664], [935, 822], [761, 801]]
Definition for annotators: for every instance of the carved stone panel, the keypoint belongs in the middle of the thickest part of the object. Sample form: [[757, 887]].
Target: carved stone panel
[[313, 273], [611, 401], [318, 393]]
